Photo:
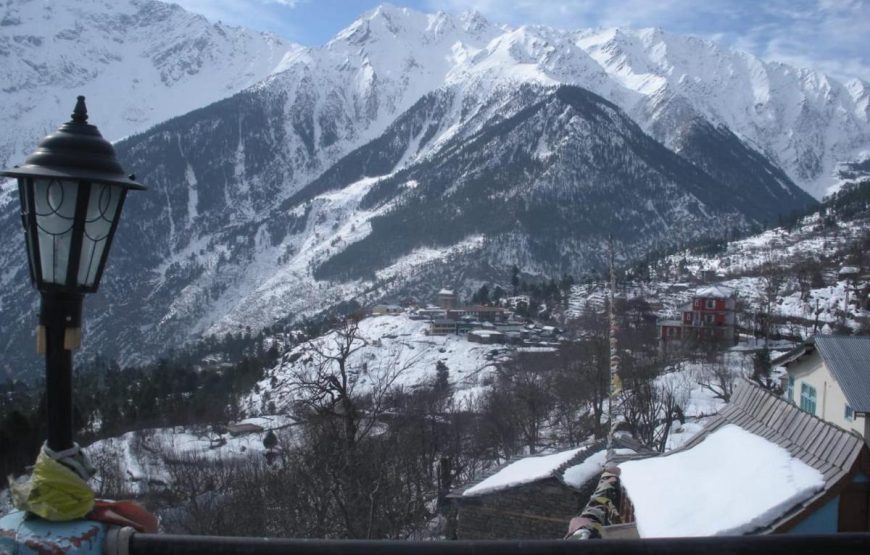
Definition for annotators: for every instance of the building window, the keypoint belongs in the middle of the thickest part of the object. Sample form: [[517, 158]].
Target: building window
[[808, 398], [789, 391], [711, 303], [850, 414]]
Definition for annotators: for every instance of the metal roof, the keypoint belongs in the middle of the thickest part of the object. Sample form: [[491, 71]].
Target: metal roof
[[848, 359]]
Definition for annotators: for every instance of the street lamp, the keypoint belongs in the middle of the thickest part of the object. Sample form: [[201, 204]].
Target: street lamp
[[72, 189]]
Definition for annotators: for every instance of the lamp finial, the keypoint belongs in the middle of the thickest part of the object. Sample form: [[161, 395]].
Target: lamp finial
[[80, 113]]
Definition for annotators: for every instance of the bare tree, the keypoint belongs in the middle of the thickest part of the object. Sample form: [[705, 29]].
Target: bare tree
[[327, 384], [356, 476], [716, 377], [527, 379], [650, 403], [335, 384], [772, 278]]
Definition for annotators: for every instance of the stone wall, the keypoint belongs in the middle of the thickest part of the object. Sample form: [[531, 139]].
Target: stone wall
[[540, 510]]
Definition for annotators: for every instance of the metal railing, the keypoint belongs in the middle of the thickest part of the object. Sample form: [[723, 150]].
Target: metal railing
[[833, 544]]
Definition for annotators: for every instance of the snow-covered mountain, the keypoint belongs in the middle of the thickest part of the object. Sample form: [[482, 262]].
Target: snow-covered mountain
[[139, 62], [419, 148], [805, 121]]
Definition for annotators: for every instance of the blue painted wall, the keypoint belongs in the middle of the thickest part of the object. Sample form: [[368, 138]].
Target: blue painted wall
[[825, 520]]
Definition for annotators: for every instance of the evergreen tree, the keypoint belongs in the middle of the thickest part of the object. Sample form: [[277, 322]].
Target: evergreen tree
[[442, 377], [482, 295], [270, 441]]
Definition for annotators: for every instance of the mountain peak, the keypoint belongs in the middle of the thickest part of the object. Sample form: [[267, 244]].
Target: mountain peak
[[473, 21]]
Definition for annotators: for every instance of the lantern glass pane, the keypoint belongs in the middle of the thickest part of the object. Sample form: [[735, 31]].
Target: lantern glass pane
[[103, 206], [54, 206], [26, 213]]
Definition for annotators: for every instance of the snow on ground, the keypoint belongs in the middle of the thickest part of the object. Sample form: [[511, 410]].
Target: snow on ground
[[142, 458], [690, 381], [523, 471], [406, 265], [390, 346], [738, 267], [731, 483]]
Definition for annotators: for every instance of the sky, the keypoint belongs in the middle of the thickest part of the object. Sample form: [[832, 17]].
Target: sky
[[832, 36]]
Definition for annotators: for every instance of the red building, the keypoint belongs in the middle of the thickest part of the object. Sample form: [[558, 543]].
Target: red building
[[709, 317]]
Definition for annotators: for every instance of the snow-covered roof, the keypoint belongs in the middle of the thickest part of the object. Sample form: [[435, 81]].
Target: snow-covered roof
[[523, 471], [760, 465], [848, 270], [578, 475], [446, 292], [733, 483], [714, 292], [486, 333]]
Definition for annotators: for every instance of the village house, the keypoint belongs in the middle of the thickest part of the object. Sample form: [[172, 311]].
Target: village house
[[381, 309], [429, 313], [447, 299], [709, 317], [829, 377], [450, 317], [486, 336], [760, 466], [479, 313], [530, 498], [241, 428], [446, 326]]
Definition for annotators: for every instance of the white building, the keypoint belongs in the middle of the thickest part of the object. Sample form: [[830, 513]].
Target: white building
[[829, 377]]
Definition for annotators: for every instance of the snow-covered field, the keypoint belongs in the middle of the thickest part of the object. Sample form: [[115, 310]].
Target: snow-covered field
[[393, 347], [141, 459]]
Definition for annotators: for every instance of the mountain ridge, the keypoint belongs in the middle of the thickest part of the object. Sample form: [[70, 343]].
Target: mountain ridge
[[254, 196]]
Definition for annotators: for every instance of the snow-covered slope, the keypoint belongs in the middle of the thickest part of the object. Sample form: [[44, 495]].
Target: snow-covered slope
[[253, 196], [388, 350], [805, 121], [138, 62]]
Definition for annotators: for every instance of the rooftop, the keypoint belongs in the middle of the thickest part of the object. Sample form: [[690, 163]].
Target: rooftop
[[715, 292], [732, 482], [757, 465], [523, 471]]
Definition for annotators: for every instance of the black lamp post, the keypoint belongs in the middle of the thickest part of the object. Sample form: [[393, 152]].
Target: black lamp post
[[72, 189]]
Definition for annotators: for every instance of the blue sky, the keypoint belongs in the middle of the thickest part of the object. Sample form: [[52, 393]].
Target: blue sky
[[829, 35]]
